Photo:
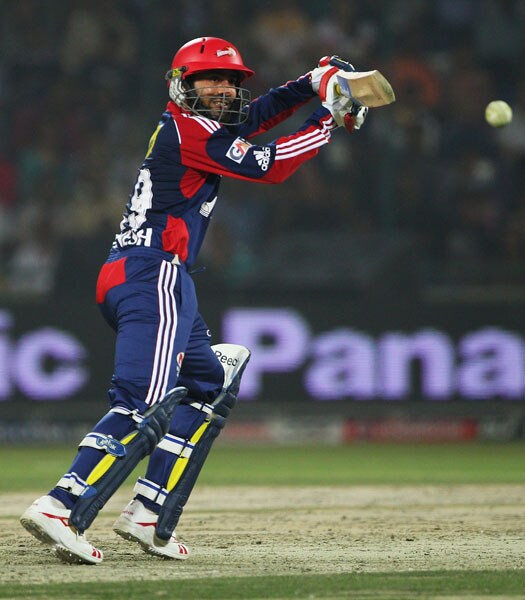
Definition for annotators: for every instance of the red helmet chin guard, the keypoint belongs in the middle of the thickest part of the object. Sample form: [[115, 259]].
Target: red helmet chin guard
[[207, 54]]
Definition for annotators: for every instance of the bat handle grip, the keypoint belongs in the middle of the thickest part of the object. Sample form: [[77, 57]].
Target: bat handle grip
[[335, 61]]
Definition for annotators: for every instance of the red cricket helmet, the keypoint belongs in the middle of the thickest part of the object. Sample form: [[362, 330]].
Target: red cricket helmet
[[209, 53]]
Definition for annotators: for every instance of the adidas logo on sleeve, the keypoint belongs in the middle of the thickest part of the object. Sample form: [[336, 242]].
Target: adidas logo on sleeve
[[263, 157]]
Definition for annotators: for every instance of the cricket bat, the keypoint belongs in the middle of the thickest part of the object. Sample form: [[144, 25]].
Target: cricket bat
[[370, 88]]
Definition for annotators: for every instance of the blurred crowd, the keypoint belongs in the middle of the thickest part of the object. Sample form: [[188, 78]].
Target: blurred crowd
[[82, 87]]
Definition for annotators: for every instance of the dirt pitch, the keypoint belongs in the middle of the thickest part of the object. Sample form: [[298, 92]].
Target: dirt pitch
[[241, 531]]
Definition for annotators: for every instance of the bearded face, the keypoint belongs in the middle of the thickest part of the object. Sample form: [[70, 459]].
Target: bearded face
[[214, 94]]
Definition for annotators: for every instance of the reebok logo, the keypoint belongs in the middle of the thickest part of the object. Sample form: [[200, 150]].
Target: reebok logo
[[224, 358], [263, 157], [63, 520], [111, 446]]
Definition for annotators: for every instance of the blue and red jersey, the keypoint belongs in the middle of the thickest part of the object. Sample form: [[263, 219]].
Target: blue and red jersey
[[177, 185]]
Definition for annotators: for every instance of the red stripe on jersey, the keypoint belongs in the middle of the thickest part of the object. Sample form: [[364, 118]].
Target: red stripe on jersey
[[191, 182], [111, 274], [175, 237]]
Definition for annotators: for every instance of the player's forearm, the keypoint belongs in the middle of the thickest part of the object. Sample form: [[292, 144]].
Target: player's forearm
[[271, 163], [291, 151], [275, 106]]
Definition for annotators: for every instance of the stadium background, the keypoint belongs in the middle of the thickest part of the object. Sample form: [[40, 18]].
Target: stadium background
[[382, 285]]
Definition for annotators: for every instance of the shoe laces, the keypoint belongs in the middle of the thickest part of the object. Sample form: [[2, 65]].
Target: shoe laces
[[81, 537]]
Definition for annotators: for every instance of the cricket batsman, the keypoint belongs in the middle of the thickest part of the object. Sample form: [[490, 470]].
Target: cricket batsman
[[172, 391]]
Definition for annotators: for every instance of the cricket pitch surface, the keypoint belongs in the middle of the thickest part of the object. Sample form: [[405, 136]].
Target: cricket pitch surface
[[241, 531]]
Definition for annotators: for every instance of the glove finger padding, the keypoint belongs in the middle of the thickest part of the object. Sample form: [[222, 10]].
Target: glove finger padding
[[357, 114], [337, 61], [327, 84], [339, 106], [321, 76], [348, 113]]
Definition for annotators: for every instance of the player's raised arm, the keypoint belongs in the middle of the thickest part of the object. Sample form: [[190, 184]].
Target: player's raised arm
[[205, 145], [275, 106], [212, 118]]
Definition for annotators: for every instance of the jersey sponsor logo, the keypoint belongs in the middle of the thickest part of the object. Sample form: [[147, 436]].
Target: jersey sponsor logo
[[237, 151], [228, 51], [207, 207], [263, 157]]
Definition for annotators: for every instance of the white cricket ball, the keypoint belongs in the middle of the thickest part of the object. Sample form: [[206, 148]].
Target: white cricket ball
[[498, 113]]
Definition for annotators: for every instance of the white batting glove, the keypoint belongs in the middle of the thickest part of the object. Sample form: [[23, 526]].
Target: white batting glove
[[339, 106], [323, 76], [347, 113], [358, 114]]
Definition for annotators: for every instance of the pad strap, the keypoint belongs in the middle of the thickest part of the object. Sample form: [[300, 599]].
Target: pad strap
[[151, 491], [202, 407], [133, 414], [72, 483], [176, 445]]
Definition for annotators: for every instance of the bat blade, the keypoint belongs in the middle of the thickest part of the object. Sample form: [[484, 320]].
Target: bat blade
[[370, 88]]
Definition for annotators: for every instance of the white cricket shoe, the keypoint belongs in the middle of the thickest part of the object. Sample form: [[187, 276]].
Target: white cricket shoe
[[47, 519], [137, 524]]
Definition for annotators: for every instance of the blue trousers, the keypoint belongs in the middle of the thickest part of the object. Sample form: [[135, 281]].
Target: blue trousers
[[161, 342]]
